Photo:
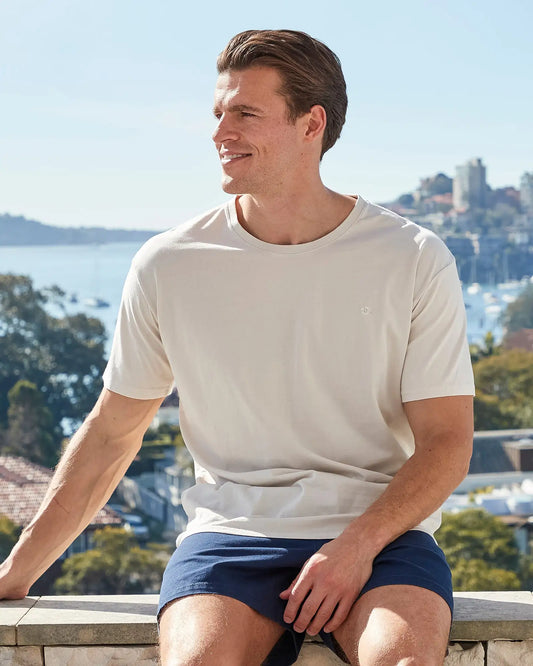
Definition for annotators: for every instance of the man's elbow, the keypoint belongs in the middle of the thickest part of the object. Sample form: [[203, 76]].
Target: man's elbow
[[464, 455]]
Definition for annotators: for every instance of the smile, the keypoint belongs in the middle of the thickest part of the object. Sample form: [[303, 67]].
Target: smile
[[227, 158]]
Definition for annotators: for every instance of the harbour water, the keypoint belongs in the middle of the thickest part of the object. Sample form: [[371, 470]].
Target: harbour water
[[87, 272], [83, 272], [485, 306]]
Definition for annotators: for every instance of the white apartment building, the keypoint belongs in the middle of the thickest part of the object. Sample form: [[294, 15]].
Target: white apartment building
[[470, 185], [526, 192]]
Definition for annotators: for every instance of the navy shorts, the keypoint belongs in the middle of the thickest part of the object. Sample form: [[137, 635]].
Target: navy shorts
[[255, 570]]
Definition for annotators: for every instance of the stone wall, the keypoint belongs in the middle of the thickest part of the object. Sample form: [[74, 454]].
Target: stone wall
[[489, 628]]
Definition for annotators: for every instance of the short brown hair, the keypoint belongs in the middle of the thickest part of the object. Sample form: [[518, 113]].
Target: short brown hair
[[310, 71]]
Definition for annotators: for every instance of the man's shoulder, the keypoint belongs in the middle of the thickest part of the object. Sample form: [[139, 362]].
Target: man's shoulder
[[194, 231], [404, 231]]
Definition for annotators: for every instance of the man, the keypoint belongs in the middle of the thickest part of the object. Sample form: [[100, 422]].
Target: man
[[318, 345]]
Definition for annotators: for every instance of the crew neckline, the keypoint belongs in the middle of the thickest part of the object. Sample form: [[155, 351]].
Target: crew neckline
[[352, 217]]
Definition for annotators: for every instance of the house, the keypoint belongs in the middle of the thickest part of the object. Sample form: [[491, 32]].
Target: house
[[23, 486]]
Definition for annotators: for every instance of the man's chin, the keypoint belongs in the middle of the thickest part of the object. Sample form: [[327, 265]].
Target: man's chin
[[231, 187]]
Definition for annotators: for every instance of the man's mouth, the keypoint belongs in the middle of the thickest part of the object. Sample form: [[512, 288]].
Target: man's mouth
[[227, 158]]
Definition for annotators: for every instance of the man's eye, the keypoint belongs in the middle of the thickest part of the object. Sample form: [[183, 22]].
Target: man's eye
[[246, 114]]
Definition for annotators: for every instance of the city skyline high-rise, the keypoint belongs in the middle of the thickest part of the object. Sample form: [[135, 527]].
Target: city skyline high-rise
[[470, 185], [526, 192]]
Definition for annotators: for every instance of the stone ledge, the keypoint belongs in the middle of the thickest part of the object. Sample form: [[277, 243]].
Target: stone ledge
[[472, 654], [145, 655], [21, 656], [11, 613], [130, 619], [89, 620], [507, 653], [312, 654], [483, 616]]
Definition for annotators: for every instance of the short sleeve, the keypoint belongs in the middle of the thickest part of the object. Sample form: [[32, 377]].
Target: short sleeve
[[437, 362], [138, 366]]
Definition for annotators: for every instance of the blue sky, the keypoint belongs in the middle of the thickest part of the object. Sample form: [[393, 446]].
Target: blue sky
[[106, 105]]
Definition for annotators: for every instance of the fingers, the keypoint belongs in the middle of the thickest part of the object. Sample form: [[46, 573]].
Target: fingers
[[320, 611], [308, 611], [344, 607], [286, 593], [324, 613], [295, 594], [321, 596]]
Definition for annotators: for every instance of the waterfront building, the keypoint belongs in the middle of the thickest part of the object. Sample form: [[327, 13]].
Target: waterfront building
[[470, 185], [526, 193]]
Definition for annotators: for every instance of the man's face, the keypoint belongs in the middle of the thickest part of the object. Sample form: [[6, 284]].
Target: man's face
[[258, 146]]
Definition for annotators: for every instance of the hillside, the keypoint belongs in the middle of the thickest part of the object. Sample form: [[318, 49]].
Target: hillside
[[20, 231]]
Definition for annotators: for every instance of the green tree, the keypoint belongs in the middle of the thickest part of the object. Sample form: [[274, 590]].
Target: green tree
[[62, 355], [440, 183], [483, 553], [406, 199], [488, 348], [30, 430], [9, 534], [475, 534], [477, 575], [489, 415], [504, 390], [519, 314], [115, 566]]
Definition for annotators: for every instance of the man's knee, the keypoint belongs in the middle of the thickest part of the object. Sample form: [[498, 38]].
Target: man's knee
[[397, 651], [191, 634], [396, 626], [209, 630]]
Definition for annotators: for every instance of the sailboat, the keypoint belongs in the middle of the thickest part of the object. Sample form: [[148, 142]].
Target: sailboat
[[96, 302], [474, 287]]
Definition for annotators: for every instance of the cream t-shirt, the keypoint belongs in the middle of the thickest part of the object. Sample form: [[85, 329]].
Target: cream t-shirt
[[292, 362]]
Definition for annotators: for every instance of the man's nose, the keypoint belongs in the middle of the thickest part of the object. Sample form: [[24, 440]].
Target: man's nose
[[224, 130]]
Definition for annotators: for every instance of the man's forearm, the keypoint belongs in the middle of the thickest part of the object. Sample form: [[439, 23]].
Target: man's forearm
[[86, 476], [418, 489]]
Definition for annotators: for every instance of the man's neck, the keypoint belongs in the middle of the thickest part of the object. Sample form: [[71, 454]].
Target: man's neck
[[291, 219]]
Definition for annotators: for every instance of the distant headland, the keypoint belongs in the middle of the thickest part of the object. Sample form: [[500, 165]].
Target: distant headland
[[17, 230]]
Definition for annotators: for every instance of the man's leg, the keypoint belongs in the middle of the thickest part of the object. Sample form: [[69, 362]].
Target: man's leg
[[209, 630], [396, 625]]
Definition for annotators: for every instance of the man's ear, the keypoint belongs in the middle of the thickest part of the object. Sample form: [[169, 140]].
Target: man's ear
[[316, 122]]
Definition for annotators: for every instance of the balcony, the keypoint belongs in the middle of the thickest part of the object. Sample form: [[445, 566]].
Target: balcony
[[490, 628]]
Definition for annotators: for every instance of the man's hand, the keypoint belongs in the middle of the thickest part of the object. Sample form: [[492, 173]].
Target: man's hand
[[323, 593], [9, 587]]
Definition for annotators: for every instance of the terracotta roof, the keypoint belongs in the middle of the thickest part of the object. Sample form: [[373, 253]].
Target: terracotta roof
[[23, 485], [22, 471], [446, 198], [522, 339]]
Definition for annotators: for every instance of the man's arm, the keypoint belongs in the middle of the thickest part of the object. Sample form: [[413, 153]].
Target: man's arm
[[332, 579], [95, 460]]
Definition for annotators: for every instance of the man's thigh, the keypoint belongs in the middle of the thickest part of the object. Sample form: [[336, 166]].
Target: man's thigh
[[396, 622], [209, 629]]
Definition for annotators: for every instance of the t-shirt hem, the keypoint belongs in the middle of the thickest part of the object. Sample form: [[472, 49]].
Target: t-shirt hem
[[138, 394], [438, 392], [218, 529]]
